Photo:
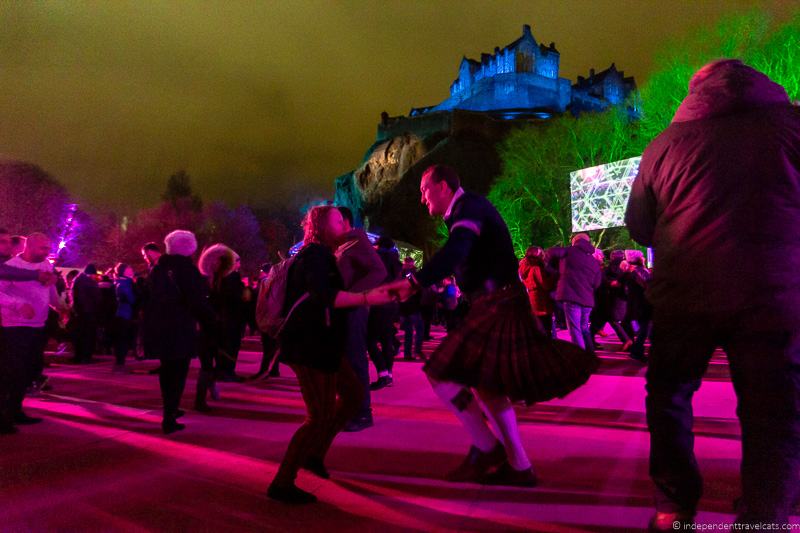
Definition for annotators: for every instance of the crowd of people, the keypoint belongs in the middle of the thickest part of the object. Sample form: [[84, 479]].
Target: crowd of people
[[717, 198], [573, 288]]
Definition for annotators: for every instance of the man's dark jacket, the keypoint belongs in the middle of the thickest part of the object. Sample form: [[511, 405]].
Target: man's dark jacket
[[579, 273], [359, 263], [718, 198], [87, 300]]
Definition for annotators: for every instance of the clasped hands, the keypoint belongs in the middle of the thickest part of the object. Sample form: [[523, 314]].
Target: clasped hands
[[396, 291]]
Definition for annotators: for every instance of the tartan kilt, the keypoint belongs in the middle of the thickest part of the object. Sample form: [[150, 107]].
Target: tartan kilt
[[500, 347]]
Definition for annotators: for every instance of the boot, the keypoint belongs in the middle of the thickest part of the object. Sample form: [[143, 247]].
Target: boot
[[212, 388], [506, 475], [477, 464], [290, 494], [204, 381]]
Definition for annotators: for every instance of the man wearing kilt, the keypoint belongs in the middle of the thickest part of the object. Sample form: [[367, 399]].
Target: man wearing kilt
[[499, 354]]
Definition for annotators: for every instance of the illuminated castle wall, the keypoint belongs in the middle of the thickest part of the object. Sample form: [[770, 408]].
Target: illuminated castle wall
[[598, 91], [524, 76]]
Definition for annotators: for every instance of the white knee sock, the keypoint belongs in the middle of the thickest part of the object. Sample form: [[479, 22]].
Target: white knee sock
[[503, 417], [463, 403]]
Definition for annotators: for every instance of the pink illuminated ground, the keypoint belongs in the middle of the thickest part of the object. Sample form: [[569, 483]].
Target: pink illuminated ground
[[100, 463]]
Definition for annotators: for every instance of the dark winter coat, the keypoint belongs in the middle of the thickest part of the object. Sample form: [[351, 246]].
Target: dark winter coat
[[388, 313], [177, 305], [391, 262], [413, 304], [718, 198], [615, 291], [227, 301], [314, 333], [578, 273], [87, 299], [636, 282]]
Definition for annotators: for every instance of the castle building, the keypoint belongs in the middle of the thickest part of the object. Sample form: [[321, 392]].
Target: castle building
[[522, 80], [598, 91]]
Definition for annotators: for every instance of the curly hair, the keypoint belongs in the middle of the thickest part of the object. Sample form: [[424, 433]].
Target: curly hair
[[314, 229]]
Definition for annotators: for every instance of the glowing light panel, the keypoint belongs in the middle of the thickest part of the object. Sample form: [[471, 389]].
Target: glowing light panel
[[600, 194]]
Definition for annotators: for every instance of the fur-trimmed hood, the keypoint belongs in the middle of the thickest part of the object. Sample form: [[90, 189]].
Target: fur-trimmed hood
[[215, 257]]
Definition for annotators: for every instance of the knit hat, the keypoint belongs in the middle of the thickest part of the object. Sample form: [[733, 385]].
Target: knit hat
[[180, 242]]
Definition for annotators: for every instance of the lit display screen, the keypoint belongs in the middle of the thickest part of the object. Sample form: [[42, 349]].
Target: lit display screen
[[599, 194]]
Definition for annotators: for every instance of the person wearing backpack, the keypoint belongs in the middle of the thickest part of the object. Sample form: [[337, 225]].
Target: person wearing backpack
[[312, 342], [269, 366], [178, 302]]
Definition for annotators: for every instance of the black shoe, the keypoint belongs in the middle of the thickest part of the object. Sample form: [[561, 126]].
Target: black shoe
[[290, 494], [120, 368], [7, 428], [359, 424], [213, 391], [506, 475], [383, 381], [171, 426], [316, 467], [42, 383], [477, 463], [22, 419], [202, 407]]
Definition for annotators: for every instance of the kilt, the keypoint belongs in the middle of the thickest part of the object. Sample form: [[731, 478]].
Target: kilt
[[501, 348]]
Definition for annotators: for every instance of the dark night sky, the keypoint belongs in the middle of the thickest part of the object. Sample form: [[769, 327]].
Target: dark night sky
[[260, 101]]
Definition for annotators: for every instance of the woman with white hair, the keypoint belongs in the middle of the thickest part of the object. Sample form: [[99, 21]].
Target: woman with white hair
[[177, 303]]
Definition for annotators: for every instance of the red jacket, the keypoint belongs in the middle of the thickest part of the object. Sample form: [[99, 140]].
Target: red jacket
[[539, 285]]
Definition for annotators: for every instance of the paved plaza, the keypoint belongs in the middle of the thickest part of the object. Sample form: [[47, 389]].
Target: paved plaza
[[99, 461]]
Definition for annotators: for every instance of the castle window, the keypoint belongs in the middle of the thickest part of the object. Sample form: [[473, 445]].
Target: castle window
[[524, 62]]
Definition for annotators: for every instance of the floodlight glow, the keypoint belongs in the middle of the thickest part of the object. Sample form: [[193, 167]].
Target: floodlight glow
[[599, 195]]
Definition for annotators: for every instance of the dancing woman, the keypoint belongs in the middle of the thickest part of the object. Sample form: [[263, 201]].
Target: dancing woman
[[312, 343]]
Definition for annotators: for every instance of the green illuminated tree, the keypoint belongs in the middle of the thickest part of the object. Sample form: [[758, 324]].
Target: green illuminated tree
[[752, 37], [532, 192]]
